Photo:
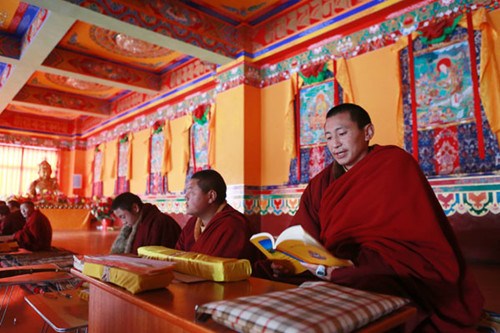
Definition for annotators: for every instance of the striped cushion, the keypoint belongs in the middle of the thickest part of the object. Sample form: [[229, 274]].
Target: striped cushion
[[312, 307]]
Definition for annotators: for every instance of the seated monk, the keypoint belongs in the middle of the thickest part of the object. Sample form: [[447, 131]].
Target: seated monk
[[36, 235], [44, 183], [215, 228], [375, 207], [144, 224], [4, 213], [13, 219]]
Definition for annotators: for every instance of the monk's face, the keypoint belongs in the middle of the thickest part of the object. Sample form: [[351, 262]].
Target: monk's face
[[26, 210], [128, 217], [197, 201], [346, 141]]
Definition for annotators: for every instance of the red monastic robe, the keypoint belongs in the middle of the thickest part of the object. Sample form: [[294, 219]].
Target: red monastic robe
[[226, 235], [155, 228], [14, 222], [36, 235], [384, 215]]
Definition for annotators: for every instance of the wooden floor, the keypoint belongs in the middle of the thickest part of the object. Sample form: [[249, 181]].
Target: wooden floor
[[20, 318]]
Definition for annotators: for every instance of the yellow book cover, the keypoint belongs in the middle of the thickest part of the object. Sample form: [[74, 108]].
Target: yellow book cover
[[296, 245]]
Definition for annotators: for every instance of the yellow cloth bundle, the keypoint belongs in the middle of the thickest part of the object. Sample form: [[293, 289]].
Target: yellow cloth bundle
[[130, 272], [133, 282], [208, 267]]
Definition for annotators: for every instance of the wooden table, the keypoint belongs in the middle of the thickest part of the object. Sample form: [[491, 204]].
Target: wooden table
[[9, 283], [64, 311], [113, 309]]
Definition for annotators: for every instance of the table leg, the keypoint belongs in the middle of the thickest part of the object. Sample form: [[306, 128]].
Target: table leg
[[5, 302]]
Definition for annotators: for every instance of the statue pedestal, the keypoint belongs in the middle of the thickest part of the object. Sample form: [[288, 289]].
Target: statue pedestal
[[68, 218]]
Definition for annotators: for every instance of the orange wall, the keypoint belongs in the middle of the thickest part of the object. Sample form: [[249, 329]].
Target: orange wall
[[72, 162], [87, 173], [66, 169]]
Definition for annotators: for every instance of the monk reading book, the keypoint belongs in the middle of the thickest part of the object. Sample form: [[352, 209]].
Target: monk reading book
[[296, 245]]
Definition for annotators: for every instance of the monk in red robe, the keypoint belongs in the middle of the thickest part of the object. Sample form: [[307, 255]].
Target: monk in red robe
[[375, 207], [36, 235], [215, 228], [144, 225], [13, 220]]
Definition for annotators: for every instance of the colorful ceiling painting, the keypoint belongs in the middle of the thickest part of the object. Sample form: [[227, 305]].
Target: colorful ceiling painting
[[42, 112], [239, 11], [102, 43], [95, 63], [72, 85]]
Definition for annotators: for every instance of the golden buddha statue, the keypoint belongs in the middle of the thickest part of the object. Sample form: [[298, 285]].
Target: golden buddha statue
[[44, 184]]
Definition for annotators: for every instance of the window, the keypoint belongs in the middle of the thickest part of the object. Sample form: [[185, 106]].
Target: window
[[19, 167]]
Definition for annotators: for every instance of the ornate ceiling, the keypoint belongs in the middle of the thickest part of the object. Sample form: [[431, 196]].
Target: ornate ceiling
[[65, 64]]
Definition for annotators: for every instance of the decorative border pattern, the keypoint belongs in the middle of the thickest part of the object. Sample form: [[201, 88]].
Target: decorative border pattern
[[475, 195], [375, 37], [23, 140]]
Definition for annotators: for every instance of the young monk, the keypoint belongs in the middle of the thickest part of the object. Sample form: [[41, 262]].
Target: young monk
[[215, 228], [375, 207], [144, 224], [13, 220], [36, 235]]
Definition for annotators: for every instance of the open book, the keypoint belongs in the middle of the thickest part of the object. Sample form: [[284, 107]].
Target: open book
[[296, 245]]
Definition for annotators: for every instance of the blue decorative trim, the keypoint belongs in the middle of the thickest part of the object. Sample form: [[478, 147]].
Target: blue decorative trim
[[28, 17], [315, 28]]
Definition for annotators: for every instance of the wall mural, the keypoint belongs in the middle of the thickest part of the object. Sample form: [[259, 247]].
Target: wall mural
[[447, 127], [157, 184], [97, 168], [443, 85], [446, 146], [315, 101], [200, 138]]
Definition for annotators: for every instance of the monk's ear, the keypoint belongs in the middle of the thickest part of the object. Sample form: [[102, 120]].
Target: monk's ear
[[212, 196], [135, 208], [369, 132]]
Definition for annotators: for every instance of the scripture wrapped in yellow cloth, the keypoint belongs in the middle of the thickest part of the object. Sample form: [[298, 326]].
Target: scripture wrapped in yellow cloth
[[134, 274], [208, 267]]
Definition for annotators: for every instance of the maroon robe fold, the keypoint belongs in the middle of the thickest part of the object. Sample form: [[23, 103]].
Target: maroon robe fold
[[14, 222], [36, 235], [384, 213], [155, 228], [226, 235]]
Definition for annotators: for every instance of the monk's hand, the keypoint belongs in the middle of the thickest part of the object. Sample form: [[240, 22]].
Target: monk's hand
[[282, 267], [321, 271]]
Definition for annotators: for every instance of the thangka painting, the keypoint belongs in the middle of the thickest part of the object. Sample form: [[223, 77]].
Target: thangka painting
[[122, 184], [200, 136], [315, 101], [157, 184], [443, 86], [97, 165], [157, 146], [123, 148], [97, 183]]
